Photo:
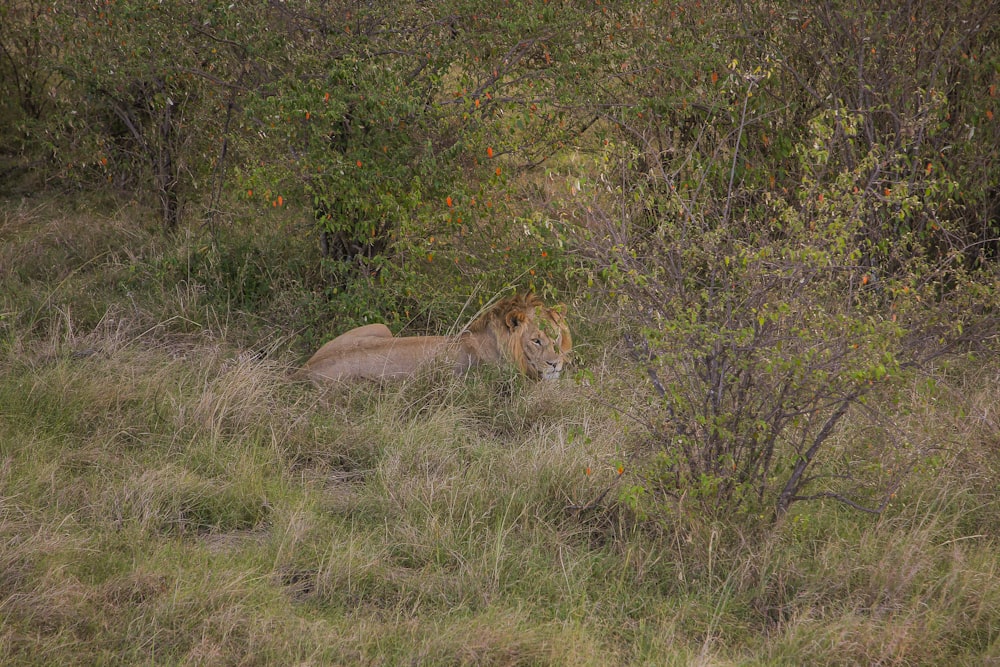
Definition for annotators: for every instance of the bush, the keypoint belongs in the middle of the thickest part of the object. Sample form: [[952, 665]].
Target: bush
[[762, 322]]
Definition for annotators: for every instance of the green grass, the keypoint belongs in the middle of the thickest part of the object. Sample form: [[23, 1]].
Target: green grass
[[167, 498]]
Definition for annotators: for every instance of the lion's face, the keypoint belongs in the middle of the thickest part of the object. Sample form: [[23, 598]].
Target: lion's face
[[544, 342]]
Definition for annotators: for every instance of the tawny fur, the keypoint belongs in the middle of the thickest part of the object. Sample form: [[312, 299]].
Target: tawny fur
[[519, 330]]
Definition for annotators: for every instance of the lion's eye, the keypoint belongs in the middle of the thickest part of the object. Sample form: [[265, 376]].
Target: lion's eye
[[538, 342]]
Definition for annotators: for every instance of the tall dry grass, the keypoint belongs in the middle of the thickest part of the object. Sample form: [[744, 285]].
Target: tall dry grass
[[169, 496]]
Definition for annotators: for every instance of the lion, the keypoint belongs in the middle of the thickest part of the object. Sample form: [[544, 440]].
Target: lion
[[519, 330]]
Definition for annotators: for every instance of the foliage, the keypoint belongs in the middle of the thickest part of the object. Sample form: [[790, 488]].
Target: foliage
[[353, 129], [398, 124], [25, 81], [134, 97], [919, 82], [776, 277]]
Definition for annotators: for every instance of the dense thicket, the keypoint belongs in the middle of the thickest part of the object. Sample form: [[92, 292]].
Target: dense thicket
[[177, 100]]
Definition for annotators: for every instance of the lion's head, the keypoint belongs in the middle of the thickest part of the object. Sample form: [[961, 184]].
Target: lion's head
[[532, 336]]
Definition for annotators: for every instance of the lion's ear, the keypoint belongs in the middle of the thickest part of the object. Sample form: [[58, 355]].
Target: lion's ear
[[515, 318]]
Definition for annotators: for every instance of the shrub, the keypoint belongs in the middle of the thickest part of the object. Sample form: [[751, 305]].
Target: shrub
[[761, 327]]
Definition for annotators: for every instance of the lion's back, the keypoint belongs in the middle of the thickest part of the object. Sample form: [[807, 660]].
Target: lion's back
[[372, 357]]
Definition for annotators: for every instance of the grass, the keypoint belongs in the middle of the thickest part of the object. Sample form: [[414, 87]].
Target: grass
[[169, 497]]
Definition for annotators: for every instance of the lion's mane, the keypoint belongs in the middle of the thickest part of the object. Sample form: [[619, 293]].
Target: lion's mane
[[501, 321]]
